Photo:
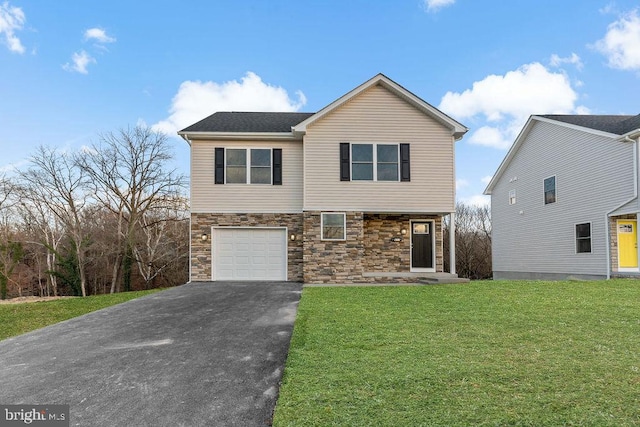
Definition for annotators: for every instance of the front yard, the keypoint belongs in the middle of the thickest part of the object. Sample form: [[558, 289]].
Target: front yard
[[486, 353]]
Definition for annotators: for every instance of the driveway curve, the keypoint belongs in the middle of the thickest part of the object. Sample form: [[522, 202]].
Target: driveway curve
[[201, 354]]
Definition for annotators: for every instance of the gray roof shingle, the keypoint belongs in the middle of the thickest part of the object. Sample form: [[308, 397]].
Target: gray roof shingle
[[239, 121], [618, 125]]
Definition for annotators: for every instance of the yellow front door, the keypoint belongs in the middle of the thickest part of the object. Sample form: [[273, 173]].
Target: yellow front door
[[627, 244]]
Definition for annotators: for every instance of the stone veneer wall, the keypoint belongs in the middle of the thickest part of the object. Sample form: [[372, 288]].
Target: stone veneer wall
[[368, 248], [201, 251], [381, 254], [332, 261], [613, 239]]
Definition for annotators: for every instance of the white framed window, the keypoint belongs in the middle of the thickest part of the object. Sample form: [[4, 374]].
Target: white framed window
[[248, 165], [583, 238], [512, 197], [375, 162], [550, 190], [333, 226]]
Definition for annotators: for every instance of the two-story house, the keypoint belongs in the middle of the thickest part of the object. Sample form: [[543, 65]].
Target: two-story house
[[564, 201], [354, 193]]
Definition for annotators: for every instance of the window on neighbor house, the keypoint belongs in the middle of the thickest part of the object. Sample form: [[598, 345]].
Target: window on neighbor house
[[512, 197], [333, 226], [583, 238], [550, 190]]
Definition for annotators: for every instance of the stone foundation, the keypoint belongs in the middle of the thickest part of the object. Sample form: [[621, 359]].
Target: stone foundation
[[382, 254], [201, 251], [369, 248], [374, 244]]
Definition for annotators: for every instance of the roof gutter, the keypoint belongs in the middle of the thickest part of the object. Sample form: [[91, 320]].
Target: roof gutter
[[235, 136], [185, 137]]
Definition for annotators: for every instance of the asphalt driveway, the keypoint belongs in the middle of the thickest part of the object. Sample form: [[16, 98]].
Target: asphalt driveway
[[201, 354]]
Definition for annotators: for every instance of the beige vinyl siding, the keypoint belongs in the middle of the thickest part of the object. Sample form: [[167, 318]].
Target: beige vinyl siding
[[207, 197], [378, 116], [594, 174]]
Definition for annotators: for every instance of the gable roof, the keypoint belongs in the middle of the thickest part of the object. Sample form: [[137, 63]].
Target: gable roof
[[617, 127], [269, 125], [457, 129], [237, 121]]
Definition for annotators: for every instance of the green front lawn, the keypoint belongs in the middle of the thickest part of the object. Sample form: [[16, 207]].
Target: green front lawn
[[16, 319], [486, 353]]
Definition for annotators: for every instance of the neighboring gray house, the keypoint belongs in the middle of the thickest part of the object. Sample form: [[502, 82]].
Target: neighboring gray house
[[564, 201], [353, 193]]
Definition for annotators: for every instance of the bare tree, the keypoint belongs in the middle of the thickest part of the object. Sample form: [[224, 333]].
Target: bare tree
[[161, 240], [129, 171], [45, 226], [11, 251], [54, 181], [473, 241]]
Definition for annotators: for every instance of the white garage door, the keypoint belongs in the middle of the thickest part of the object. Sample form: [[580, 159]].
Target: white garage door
[[249, 254]]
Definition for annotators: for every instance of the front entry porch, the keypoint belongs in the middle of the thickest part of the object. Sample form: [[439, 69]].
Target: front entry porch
[[623, 234]]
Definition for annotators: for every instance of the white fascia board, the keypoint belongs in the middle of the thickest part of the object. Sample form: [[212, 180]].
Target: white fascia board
[[457, 129], [576, 127], [522, 135], [507, 159], [255, 136], [634, 134]]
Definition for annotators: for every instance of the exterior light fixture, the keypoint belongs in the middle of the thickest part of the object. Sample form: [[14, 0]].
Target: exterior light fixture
[[292, 237], [403, 231], [204, 237]]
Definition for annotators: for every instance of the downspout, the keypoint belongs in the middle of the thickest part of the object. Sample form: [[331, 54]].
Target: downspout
[[190, 237], [636, 152]]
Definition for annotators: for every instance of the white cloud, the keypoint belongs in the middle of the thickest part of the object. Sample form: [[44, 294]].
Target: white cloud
[[486, 179], [435, 5], [80, 62], [99, 35], [621, 43], [491, 137], [476, 200], [506, 101], [12, 19], [196, 100], [461, 183], [557, 61]]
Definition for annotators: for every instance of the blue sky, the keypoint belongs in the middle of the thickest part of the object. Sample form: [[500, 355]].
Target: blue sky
[[71, 70]]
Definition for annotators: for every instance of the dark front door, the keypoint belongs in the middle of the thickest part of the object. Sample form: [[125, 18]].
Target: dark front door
[[421, 245]]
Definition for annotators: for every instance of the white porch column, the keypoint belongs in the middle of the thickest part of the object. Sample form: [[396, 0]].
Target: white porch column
[[452, 243]]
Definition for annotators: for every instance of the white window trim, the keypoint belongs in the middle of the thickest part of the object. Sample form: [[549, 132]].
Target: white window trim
[[375, 160], [512, 197], [575, 237], [344, 226], [555, 190], [248, 165]]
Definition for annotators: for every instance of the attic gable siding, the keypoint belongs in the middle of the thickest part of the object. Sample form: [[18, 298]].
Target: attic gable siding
[[207, 197], [594, 174], [378, 116]]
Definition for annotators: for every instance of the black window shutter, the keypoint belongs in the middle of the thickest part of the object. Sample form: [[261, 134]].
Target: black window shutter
[[345, 163], [405, 163], [219, 162], [277, 166]]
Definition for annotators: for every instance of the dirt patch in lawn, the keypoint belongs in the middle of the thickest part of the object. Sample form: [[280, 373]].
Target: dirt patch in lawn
[[20, 300]]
